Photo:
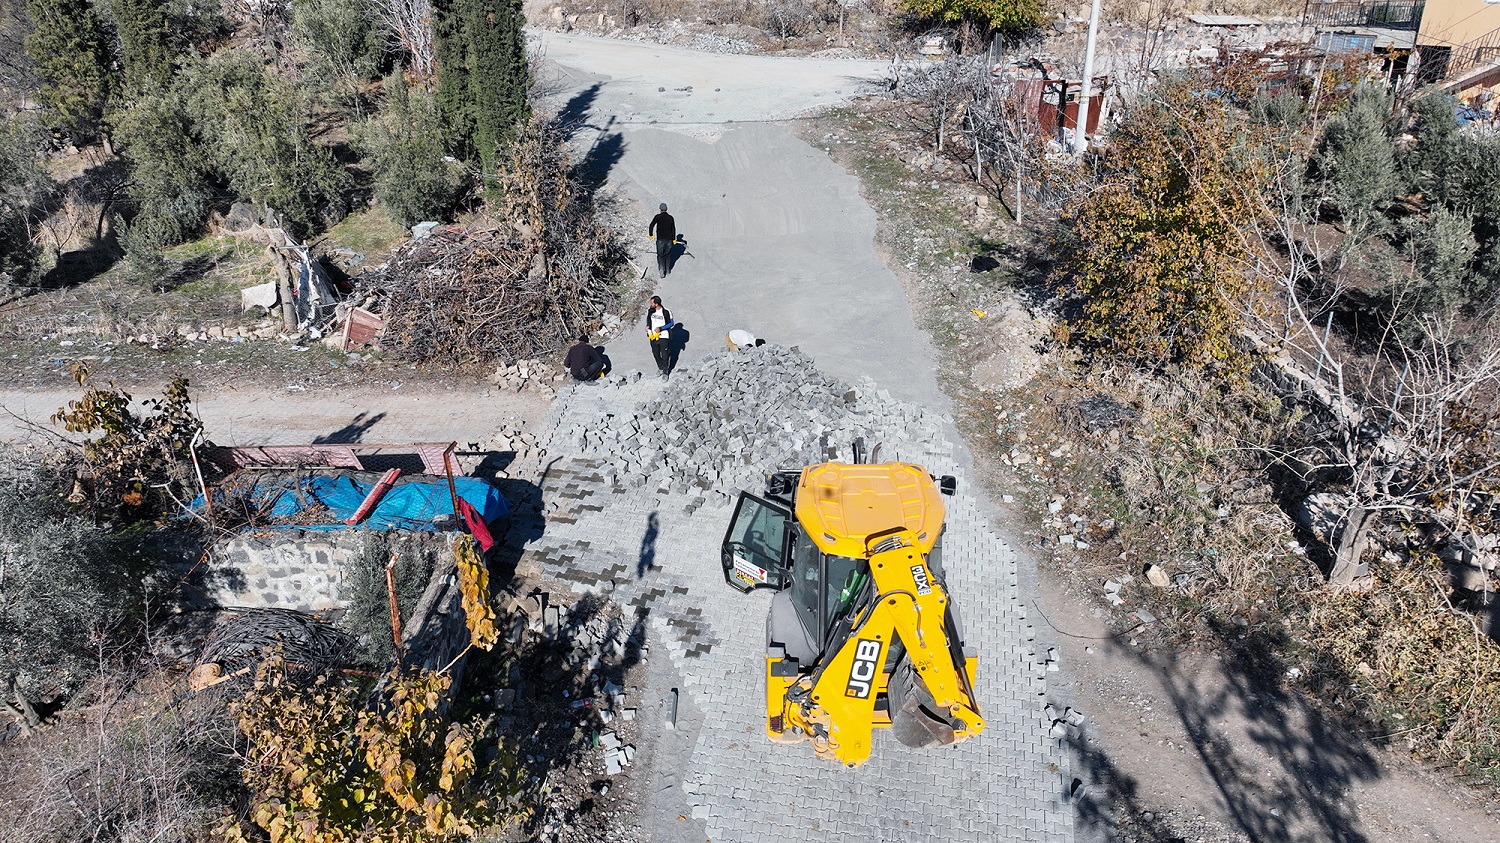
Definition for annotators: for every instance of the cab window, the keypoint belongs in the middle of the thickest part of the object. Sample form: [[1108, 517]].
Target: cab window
[[846, 579], [807, 581]]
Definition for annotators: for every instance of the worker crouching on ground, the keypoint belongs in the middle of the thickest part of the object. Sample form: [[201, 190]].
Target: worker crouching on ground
[[584, 361]]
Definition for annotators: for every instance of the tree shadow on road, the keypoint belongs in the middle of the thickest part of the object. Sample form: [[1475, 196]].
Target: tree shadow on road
[[593, 170], [352, 432], [1283, 770], [574, 114]]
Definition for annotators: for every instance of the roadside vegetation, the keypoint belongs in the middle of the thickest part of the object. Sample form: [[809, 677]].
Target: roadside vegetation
[[150, 150], [874, 27], [137, 138], [1253, 366]]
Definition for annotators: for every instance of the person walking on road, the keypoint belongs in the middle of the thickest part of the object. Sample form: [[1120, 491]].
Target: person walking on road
[[584, 361], [659, 331], [663, 230]]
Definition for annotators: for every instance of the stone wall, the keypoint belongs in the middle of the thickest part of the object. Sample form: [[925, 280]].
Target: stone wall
[[280, 569], [306, 571]]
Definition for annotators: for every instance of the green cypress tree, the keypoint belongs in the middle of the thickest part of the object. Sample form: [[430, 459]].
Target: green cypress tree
[[72, 56], [503, 76], [146, 41], [453, 77], [485, 78]]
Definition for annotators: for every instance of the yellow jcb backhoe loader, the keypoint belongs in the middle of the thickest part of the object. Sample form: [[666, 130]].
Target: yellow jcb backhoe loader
[[862, 634]]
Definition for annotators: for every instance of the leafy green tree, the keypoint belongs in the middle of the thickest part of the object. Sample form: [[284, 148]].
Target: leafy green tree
[[485, 79], [17, 71], [453, 96], [146, 41], [1008, 17], [342, 44], [174, 179], [1471, 182], [66, 587], [501, 105], [225, 126], [404, 146], [24, 185], [1441, 248], [72, 55], [1357, 164], [1161, 250], [258, 132], [155, 34], [1425, 161]]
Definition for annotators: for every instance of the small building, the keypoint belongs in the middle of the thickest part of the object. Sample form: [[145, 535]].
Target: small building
[[1459, 42]]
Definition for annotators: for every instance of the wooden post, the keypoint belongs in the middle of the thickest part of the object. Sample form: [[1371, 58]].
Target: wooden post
[[1352, 540], [284, 288], [452, 487], [390, 590]]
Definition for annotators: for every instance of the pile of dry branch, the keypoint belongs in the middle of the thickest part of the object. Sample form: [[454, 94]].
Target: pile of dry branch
[[519, 281]]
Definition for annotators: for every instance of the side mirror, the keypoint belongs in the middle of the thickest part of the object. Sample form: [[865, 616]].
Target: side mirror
[[947, 484], [781, 484]]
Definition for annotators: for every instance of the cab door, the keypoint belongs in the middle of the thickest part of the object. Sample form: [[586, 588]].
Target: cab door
[[754, 552]]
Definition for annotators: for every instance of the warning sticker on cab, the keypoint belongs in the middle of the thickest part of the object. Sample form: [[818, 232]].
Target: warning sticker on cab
[[748, 572]]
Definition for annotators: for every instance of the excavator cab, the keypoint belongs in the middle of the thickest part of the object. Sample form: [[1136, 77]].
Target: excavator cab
[[860, 634]]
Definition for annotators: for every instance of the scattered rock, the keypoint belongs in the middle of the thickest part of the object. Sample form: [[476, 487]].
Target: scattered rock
[[1157, 576]]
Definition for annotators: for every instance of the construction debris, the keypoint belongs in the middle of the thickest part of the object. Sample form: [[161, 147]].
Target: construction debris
[[721, 424], [515, 283]]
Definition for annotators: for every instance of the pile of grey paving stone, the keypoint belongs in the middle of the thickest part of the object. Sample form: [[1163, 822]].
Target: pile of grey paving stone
[[723, 423]]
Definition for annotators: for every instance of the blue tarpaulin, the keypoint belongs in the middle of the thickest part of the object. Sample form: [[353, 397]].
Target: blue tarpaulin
[[413, 506]]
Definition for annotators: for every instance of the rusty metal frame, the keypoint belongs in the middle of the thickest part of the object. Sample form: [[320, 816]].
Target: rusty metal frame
[[436, 457]]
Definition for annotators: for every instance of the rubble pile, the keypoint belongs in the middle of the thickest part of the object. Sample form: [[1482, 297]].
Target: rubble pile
[[523, 374], [564, 694], [724, 422]]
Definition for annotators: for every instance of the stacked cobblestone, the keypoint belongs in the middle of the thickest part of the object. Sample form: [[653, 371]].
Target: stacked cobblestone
[[723, 423]]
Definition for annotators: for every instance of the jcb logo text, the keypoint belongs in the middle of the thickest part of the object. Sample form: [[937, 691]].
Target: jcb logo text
[[862, 674]]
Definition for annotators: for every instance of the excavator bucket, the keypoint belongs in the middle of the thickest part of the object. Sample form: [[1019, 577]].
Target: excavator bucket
[[915, 719]]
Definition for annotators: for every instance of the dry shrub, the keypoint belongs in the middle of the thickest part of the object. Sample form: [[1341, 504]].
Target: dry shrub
[[1182, 491], [745, 12], [1416, 665], [147, 768], [1180, 467], [520, 281]]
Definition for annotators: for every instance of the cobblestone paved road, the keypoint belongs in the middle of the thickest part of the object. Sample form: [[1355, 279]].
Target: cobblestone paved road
[[783, 245], [1007, 784]]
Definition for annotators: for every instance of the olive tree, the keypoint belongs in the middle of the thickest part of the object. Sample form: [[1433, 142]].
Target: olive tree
[[67, 590]]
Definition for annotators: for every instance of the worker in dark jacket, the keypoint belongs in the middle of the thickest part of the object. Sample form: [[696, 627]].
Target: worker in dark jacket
[[663, 230], [584, 361]]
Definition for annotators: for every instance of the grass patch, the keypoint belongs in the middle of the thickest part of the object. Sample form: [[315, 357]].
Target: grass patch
[[370, 232]]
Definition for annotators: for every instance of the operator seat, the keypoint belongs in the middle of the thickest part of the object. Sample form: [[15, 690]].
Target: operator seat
[[784, 627]]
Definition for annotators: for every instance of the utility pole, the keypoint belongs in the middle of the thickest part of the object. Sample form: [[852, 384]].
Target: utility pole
[[1080, 143]]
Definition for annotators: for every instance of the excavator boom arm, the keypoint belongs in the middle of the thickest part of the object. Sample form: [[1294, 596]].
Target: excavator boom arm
[[908, 604]]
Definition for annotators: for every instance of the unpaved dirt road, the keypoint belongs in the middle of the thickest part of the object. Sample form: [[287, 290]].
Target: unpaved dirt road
[[251, 415]]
